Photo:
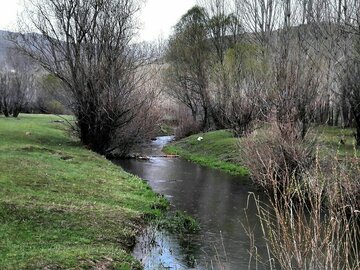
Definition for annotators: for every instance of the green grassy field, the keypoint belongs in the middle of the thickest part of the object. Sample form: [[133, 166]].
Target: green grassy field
[[63, 206], [220, 149]]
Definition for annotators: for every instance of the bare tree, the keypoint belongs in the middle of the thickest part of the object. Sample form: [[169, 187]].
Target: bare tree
[[294, 73], [292, 80], [339, 21], [260, 18], [22, 74], [180, 89], [351, 88], [17, 84], [4, 93], [88, 46]]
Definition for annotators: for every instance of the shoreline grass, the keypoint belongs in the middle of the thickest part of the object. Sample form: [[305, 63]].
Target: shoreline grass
[[217, 149], [63, 206], [220, 149]]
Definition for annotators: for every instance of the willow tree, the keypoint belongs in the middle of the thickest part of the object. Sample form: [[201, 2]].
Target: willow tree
[[188, 58], [224, 33], [87, 45]]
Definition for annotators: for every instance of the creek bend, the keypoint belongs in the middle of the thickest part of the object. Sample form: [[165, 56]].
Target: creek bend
[[215, 199]]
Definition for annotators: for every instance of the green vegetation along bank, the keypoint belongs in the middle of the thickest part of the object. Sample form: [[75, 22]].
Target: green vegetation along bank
[[62, 206], [217, 149], [220, 149]]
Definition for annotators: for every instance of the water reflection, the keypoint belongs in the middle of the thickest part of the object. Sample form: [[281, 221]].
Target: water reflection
[[217, 200]]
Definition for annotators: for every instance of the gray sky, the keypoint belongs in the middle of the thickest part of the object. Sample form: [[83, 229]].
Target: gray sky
[[157, 16]]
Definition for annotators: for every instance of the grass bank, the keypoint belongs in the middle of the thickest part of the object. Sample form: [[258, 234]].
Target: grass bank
[[63, 206], [220, 149], [217, 149]]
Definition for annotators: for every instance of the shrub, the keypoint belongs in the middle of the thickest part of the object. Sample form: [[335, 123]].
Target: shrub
[[275, 161], [187, 126]]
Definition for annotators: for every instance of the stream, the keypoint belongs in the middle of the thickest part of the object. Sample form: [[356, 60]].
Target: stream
[[215, 199]]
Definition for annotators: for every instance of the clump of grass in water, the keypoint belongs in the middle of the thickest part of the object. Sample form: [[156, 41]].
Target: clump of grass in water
[[184, 226], [179, 223]]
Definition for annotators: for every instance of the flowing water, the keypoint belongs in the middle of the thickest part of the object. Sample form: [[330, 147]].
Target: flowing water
[[216, 199]]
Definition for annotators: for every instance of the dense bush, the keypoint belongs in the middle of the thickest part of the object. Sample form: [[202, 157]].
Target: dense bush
[[275, 161]]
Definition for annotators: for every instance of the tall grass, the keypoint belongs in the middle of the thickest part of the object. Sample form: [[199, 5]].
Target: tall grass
[[312, 219]]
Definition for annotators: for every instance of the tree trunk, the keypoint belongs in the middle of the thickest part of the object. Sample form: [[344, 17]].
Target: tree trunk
[[205, 123], [16, 112], [356, 115], [193, 114], [6, 110]]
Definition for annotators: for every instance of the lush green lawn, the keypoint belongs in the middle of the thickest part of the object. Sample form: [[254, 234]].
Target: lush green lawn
[[220, 149], [62, 206]]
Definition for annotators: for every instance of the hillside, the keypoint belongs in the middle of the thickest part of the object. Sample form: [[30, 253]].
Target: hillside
[[4, 45]]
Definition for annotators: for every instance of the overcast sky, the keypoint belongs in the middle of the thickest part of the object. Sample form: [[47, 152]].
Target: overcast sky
[[8, 14], [157, 16]]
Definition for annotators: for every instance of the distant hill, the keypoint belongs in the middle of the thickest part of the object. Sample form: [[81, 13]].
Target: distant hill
[[5, 44]]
